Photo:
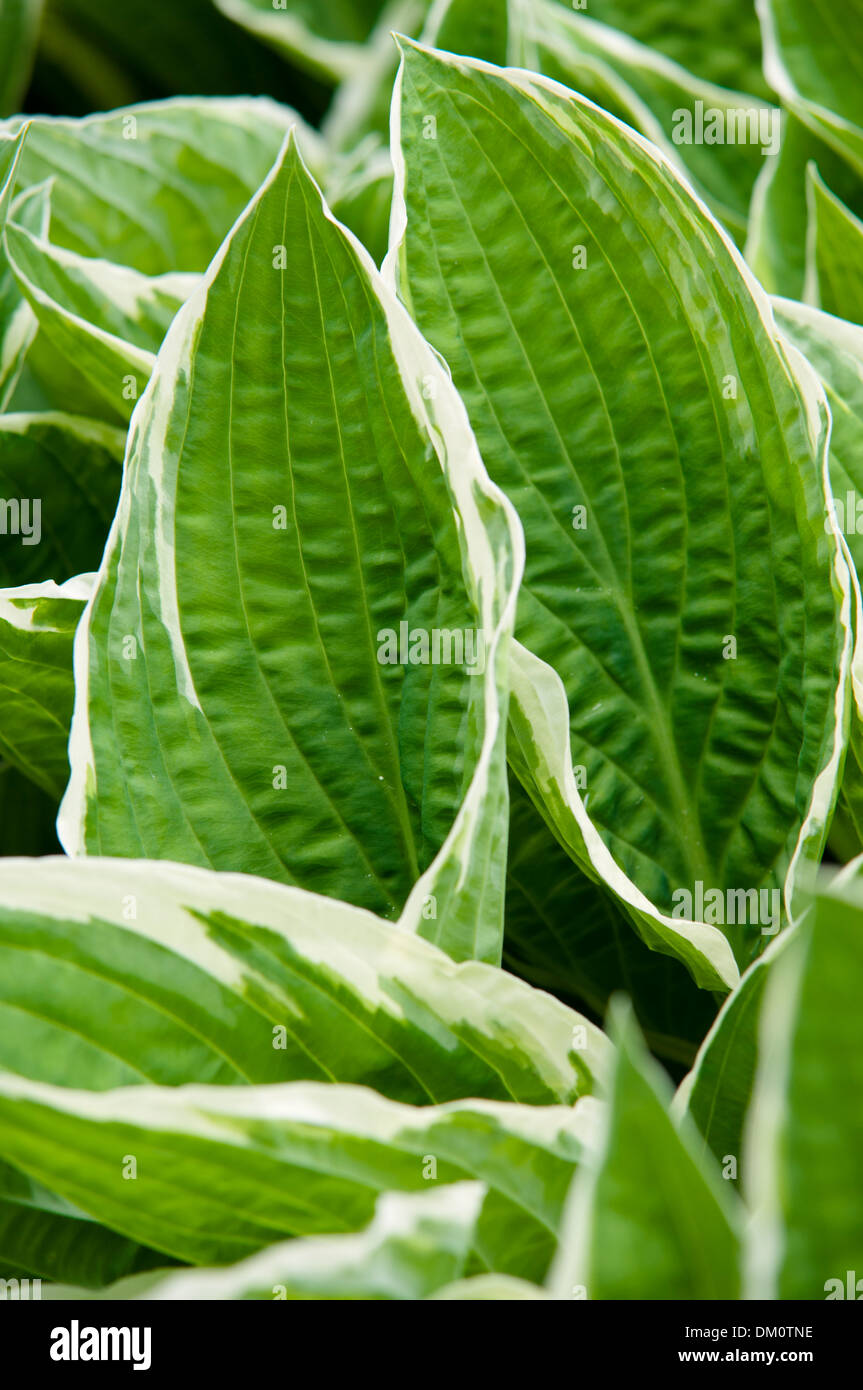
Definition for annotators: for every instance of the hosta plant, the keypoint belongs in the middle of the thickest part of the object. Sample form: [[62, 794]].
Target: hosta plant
[[431, 680]]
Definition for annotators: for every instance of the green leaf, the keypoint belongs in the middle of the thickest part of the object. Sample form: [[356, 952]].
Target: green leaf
[[568, 935], [37, 631], [107, 319], [157, 186], [804, 1138], [835, 350], [647, 90], [71, 467], [702, 762], [720, 42], [222, 1171], [834, 252], [46, 1238], [17, 324], [717, 1092], [310, 510], [19, 29], [328, 39], [776, 243], [812, 61], [645, 1218], [416, 1243], [116, 973]]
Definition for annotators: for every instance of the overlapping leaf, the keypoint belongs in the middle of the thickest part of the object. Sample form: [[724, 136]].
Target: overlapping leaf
[[43, 1237], [214, 1173], [297, 457], [835, 350], [117, 973], [415, 1244], [156, 186], [107, 319], [37, 631], [680, 579]]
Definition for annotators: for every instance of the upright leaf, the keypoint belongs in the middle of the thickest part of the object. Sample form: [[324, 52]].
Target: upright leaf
[[693, 618], [834, 252], [17, 324], [321, 625], [804, 1137], [645, 1218], [717, 1092], [835, 350]]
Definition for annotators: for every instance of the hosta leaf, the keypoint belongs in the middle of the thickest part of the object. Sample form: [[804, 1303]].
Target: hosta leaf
[[834, 253], [697, 645], [416, 1243], [567, 934], [649, 91], [107, 319], [835, 350], [222, 1171], [19, 28], [286, 739], [645, 1218], [717, 1092], [156, 186], [37, 631], [720, 42], [776, 242], [46, 1238], [328, 38], [116, 973], [17, 324], [70, 467], [804, 1137], [810, 62]]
